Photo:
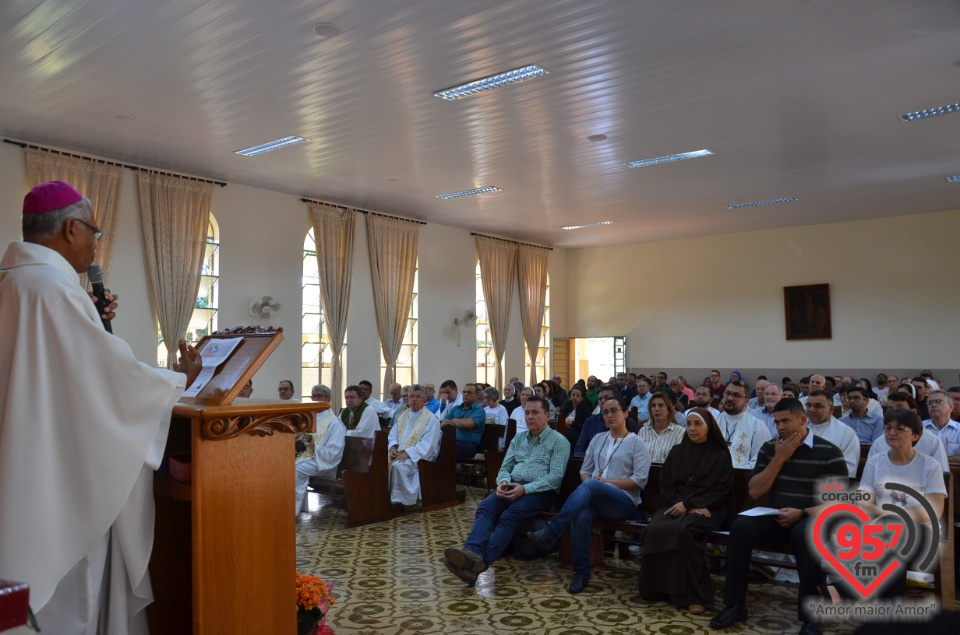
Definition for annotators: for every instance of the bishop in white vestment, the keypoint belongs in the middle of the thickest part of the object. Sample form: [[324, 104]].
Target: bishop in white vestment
[[83, 424], [415, 436]]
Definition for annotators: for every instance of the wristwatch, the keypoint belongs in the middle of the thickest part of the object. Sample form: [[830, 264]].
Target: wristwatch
[[803, 513]]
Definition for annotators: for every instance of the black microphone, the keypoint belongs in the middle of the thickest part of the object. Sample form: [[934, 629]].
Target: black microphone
[[95, 276]]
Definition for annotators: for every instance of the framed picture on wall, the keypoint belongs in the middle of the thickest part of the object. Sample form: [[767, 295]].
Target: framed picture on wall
[[807, 312]]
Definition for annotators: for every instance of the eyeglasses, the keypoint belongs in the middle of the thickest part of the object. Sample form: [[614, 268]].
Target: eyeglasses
[[889, 428], [734, 395], [851, 399], [609, 412], [936, 402], [97, 234]]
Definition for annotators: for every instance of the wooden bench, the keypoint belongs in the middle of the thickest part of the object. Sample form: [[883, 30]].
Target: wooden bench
[[437, 489], [492, 455], [364, 480]]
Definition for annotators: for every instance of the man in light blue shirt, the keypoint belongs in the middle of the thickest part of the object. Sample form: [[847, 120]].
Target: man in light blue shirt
[[948, 431], [642, 400], [867, 426]]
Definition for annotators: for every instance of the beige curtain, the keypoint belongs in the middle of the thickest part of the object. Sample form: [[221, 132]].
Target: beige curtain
[[175, 213], [532, 277], [333, 233], [98, 181], [393, 263], [498, 271]]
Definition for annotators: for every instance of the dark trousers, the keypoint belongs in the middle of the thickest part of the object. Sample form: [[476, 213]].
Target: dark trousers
[[465, 450], [748, 532], [497, 520]]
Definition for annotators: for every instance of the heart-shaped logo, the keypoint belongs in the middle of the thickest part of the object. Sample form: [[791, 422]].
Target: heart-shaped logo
[[850, 538]]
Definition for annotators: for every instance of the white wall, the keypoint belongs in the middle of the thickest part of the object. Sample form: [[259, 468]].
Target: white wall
[[261, 235], [717, 301]]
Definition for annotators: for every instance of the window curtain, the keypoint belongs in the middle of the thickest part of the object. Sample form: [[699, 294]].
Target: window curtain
[[498, 272], [392, 244], [97, 180], [532, 277], [333, 229], [175, 213]]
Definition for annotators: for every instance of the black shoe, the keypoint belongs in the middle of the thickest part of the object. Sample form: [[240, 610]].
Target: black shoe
[[579, 583], [729, 616], [469, 577], [543, 539], [465, 559], [811, 628]]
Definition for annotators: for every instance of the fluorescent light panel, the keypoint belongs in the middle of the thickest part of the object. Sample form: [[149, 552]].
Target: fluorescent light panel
[[774, 201], [515, 76], [953, 179], [930, 112], [479, 190], [601, 222], [270, 146], [668, 159]]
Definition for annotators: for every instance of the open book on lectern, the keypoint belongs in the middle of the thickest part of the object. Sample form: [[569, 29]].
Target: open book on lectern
[[230, 358]]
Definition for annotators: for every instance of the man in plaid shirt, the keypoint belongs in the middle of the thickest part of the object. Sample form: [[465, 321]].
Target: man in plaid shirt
[[527, 484]]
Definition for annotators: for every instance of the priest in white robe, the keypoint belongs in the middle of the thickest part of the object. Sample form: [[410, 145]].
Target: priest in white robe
[[83, 424], [323, 449], [413, 438]]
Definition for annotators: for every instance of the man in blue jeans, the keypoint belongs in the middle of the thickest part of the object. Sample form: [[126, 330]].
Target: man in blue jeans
[[527, 484]]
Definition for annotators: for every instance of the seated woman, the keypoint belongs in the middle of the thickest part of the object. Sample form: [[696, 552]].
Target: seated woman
[[695, 483], [573, 413], [614, 471], [661, 433], [510, 399], [903, 465], [518, 415]]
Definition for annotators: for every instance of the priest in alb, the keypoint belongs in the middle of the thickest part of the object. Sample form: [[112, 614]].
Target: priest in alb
[[83, 424], [414, 437], [322, 449]]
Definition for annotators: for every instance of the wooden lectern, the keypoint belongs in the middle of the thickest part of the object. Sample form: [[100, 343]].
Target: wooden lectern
[[224, 550]]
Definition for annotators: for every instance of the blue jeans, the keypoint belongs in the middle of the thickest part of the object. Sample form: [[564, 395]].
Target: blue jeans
[[592, 499], [497, 520], [465, 450]]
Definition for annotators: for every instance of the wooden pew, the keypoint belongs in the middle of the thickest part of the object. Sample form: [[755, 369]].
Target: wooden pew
[[438, 488], [492, 455], [364, 482]]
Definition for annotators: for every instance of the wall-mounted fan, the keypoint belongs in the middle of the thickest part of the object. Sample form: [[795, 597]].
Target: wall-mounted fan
[[469, 320], [265, 307]]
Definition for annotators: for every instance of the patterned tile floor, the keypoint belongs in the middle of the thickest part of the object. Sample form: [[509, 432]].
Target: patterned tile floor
[[389, 578]]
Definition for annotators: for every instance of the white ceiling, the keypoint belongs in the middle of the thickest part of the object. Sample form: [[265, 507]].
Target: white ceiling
[[795, 98]]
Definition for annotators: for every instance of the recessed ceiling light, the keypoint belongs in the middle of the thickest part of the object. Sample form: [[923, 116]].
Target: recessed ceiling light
[[326, 30], [270, 146], [479, 190], [515, 76], [930, 112], [668, 159], [759, 203], [125, 117], [953, 179], [601, 222], [597, 137]]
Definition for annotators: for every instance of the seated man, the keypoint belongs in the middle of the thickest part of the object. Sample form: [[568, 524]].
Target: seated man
[[358, 417], [469, 418], [940, 405], [868, 426], [322, 449], [744, 433], [820, 418], [789, 469], [771, 395], [702, 398], [527, 484], [415, 436]]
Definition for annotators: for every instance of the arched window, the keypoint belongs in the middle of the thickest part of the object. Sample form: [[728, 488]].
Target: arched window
[[406, 373], [543, 354], [486, 360], [204, 318], [315, 352]]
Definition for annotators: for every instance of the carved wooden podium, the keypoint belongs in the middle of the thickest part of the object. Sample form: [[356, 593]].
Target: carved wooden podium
[[224, 551]]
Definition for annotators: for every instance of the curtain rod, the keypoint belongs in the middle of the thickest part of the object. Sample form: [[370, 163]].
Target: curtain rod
[[362, 211], [138, 168], [515, 242]]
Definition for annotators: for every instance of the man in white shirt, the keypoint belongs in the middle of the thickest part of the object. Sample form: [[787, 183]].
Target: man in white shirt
[[285, 389], [759, 400], [396, 398], [819, 409], [382, 410], [771, 396], [745, 434], [322, 449], [449, 397], [358, 416], [415, 436], [702, 398], [947, 430]]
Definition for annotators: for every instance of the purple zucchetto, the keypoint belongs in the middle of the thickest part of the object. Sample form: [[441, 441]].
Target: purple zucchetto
[[50, 196]]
